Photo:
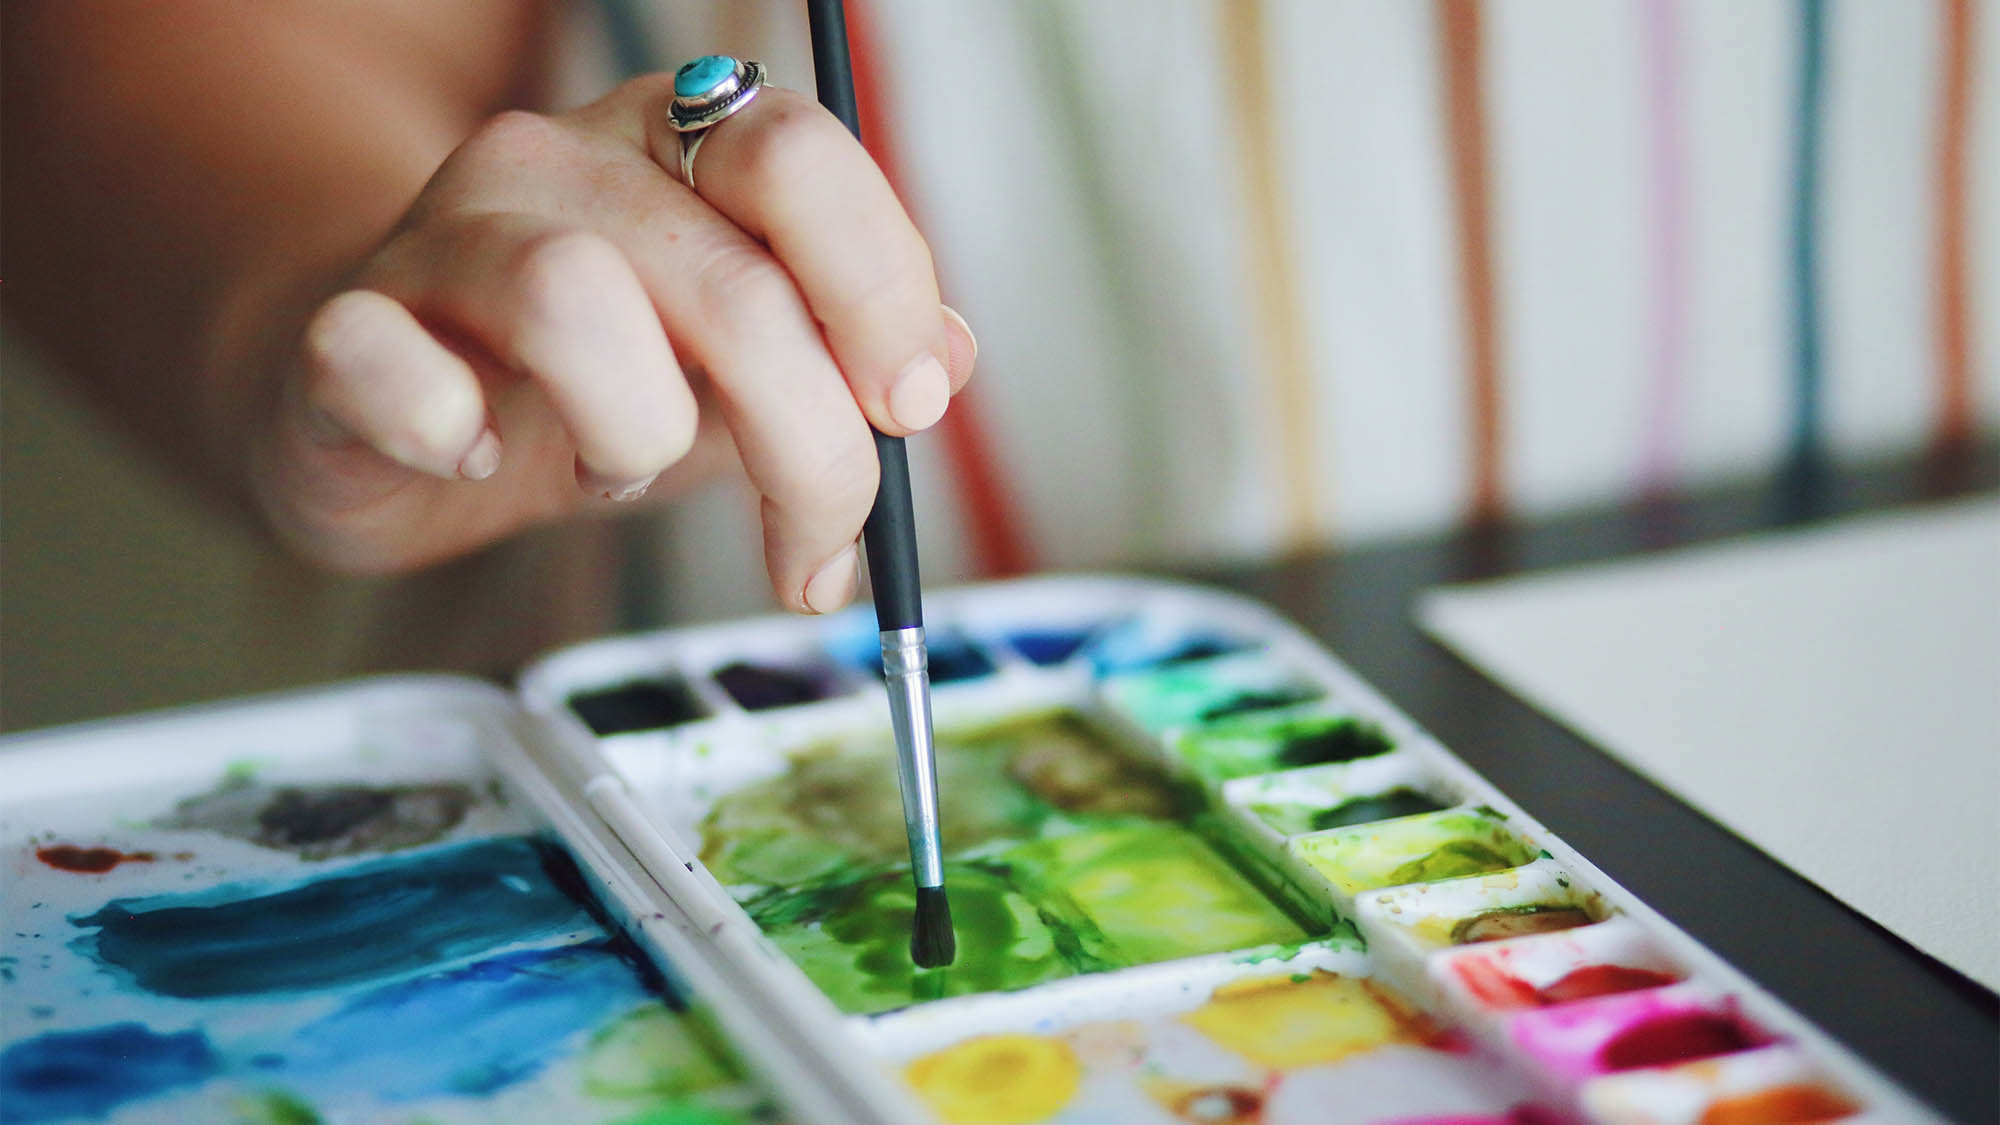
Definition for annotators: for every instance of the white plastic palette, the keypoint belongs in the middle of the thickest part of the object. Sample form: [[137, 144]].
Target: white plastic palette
[[1466, 963], [1419, 950]]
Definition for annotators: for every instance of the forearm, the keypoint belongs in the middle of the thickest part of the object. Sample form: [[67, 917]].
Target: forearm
[[186, 181]]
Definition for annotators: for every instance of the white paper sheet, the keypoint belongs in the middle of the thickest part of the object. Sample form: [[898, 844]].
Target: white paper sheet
[[1831, 694]]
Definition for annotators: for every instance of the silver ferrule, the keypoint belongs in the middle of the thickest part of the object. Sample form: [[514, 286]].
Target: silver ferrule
[[906, 671]]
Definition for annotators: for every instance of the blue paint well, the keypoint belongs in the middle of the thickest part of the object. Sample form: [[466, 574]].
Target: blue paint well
[[953, 658], [89, 1073], [471, 1030], [373, 921], [1048, 647], [1139, 644]]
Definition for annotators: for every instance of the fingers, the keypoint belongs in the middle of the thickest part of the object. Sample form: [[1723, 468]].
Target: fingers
[[785, 170], [373, 374], [565, 308]]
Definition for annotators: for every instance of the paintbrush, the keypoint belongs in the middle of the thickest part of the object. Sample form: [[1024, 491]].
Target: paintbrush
[[890, 536]]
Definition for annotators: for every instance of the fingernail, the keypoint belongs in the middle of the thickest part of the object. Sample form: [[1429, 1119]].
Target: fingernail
[[921, 393], [484, 459], [625, 493], [960, 321], [834, 584]]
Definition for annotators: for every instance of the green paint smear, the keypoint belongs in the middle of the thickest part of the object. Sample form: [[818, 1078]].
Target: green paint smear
[[1451, 861], [837, 809], [1152, 892], [274, 1107], [1251, 745], [853, 939], [654, 1052]]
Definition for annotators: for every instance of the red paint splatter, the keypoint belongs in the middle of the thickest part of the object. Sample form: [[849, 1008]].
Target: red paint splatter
[[88, 861], [1680, 1037]]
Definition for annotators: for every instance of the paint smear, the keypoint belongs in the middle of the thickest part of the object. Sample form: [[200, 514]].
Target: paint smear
[[853, 939], [836, 809], [1147, 893], [322, 821], [89, 1073], [1419, 849], [997, 1080], [1284, 1023], [466, 1031], [367, 922], [640, 705], [88, 861]]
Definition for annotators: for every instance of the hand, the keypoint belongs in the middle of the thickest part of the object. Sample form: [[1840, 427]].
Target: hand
[[557, 320]]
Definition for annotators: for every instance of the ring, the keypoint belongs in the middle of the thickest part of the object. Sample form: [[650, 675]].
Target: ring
[[707, 90]]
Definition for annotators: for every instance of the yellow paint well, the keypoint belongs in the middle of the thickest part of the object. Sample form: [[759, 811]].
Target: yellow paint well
[[997, 1079]]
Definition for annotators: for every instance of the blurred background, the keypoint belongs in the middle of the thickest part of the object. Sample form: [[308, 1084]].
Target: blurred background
[[1250, 277]]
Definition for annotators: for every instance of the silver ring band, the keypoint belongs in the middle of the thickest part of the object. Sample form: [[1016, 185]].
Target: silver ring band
[[707, 91]]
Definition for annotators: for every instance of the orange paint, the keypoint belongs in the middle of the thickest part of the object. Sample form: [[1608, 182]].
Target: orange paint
[[1790, 1104]]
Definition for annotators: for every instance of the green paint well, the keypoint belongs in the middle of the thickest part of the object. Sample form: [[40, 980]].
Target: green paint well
[[1417, 849], [1296, 818], [1187, 695], [1254, 744]]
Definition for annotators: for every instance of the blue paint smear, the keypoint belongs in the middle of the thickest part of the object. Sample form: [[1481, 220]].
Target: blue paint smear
[[1139, 644], [472, 1030], [1048, 647], [388, 918], [89, 1073], [855, 643]]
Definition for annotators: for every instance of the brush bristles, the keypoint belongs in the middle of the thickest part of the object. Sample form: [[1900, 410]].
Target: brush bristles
[[932, 944]]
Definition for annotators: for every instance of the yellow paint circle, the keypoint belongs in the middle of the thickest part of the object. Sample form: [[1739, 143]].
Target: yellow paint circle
[[997, 1079]]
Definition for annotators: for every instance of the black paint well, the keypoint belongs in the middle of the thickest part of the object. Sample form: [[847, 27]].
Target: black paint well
[[639, 705], [760, 687]]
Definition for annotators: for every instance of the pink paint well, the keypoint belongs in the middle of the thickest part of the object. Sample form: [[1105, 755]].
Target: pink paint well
[[1608, 1034]]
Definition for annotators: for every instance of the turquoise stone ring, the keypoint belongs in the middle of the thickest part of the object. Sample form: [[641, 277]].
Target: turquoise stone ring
[[707, 90], [711, 88]]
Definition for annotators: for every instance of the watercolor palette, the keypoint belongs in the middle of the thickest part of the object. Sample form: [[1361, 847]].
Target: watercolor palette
[[1200, 873]]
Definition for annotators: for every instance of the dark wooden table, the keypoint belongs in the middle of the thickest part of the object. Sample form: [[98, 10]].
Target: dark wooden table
[[1922, 1023]]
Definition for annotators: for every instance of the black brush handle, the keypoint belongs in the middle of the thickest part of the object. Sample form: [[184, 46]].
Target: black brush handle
[[890, 535]]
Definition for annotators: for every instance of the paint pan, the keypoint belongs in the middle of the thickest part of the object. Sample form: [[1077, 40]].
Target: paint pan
[[1544, 970], [1202, 872], [1661, 1027], [1161, 804], [1322, 798], [1775, 1083]]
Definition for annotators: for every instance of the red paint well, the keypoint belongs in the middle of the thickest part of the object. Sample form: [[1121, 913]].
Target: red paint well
[[1497, 988], [1601, 980], [88, 861], [1679, 1037]]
